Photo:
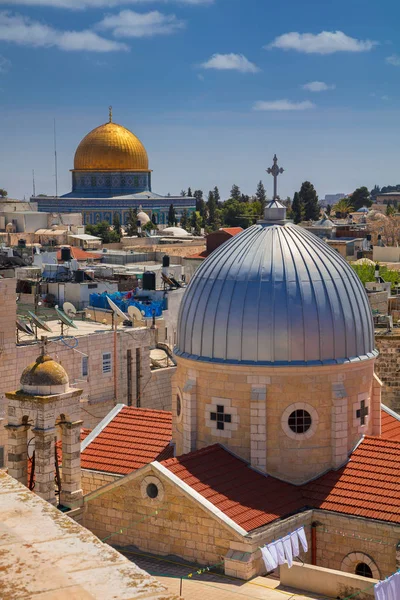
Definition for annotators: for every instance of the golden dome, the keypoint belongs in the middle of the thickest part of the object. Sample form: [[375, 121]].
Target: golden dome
[[111, 147], [45, 374]]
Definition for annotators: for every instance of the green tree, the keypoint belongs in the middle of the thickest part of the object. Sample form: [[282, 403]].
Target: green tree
[[103, 231], [235, 192], [149, 226], [261, 194], [390, 210], [117, 225], [195, 222], [328, 209], [131, 223], [361, 197], [212, 220], [154, 220], [343, 207], [374, 192], [309, 199], [183, 193], [171, 216], [297, 208], [3, 193], [184, 219], [217, 195], [198, 194], [189, 192]]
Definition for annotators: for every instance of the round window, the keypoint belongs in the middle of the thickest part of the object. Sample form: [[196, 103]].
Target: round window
[[299, 421], [363, 570], [178, 405], [152, 490]]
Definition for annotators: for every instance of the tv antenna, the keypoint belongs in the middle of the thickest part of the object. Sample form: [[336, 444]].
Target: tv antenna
[[55, 157], [33, 183]]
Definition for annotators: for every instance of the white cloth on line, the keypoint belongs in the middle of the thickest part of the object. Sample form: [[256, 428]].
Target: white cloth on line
[[302, 537], [287, 544], [295, 544], [269, 562], [274, 553], [393, 588], [396, 578], [281, 552], [379, 591]]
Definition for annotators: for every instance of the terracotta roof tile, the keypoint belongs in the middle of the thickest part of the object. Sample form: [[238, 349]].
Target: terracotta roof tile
[[232, 230], [79, 254], [366, 486], [131, 440], [390, 425]]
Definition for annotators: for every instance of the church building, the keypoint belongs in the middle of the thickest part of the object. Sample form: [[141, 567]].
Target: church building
[[111, 175]]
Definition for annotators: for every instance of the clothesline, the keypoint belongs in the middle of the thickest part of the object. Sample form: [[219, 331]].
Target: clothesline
[[389, 588], [284, 550]]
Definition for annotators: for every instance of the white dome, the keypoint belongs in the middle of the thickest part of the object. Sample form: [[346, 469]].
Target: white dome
[[275, 295], [175, 231], [143, 218]]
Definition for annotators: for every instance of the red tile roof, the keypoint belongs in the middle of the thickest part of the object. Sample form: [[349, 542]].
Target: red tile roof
[[250, 499], [201, 255], [232, 230], [79, 254], [132, 439], [367, 486], [390, 425]]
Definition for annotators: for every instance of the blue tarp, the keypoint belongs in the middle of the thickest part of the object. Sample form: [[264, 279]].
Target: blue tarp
[[123, 300]]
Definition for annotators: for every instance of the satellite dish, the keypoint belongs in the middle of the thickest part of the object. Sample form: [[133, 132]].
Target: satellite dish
[[135, 313], [117, 311], [69, 309], [38, 322], [24, 327], [65, 319]]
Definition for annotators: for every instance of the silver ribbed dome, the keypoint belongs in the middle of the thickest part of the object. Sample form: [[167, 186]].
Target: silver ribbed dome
[[275, 295]]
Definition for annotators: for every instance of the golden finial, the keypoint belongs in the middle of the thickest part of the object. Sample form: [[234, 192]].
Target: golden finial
[[110, 114]]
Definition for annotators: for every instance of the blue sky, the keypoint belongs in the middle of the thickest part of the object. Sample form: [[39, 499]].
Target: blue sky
[[212, 87]]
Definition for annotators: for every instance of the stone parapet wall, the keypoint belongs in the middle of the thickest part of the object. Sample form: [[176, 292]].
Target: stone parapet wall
[[388, 368], [93, 480]]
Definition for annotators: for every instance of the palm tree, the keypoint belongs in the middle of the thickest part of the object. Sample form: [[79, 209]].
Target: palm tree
[[343, 207]]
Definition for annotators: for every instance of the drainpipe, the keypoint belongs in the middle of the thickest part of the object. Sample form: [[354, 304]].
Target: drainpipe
[[314, 526]]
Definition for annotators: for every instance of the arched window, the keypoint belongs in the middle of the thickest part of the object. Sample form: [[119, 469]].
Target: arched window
[[363, 570]]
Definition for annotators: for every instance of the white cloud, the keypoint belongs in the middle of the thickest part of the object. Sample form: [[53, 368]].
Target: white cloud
[[283, 105], [81, 4], [5, 64], [326, 42], [394, 60], [230, 62], [21, 30], [318, 86], [129, 23]]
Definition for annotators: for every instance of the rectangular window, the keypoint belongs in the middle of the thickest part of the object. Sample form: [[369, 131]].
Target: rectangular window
[[2, 464], [85, 366], [107, 362]]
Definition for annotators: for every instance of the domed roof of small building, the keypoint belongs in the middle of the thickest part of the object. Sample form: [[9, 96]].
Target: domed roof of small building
[[275, 295], [175, 231], [143, 217], [324, 222], [45, 376], [111, 147], [363, 209]]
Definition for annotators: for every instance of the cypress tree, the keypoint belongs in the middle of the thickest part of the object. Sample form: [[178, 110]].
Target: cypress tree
[[309, 199], [297, 208], [171, 216]]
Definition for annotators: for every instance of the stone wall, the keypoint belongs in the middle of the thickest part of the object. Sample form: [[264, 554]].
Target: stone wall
[[171, 524], [93, 480], [258, 402], [158, 393], [379, 301], [338, 536], [388, 368]]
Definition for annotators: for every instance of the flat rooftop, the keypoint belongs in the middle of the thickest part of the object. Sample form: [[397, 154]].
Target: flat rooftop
[[45, 555]]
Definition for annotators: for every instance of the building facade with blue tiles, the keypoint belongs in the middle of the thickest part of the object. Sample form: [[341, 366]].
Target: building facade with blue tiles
[[111, 175]]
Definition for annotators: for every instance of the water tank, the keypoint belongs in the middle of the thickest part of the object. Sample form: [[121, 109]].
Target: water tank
[[149, 280], [66, 254], [79, 276], [165, 260], [21, 243]]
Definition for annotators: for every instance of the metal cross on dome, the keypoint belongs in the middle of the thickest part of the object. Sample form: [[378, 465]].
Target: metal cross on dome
[[275, 171]]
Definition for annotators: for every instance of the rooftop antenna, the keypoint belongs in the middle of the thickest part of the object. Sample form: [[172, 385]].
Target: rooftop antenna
[[110, 114], [55, 157], [33, 183]]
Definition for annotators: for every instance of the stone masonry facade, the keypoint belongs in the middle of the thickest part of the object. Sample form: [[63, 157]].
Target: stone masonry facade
[[388, 368]]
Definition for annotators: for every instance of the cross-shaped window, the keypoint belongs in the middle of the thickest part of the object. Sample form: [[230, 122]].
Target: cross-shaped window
[[362, 412], [220, 417]]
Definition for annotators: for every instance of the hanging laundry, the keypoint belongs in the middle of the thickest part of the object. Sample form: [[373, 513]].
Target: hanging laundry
[[269, 562], [389, 589], [294, 538], [302, 537], [287, 544], [281, 552], [273, 552]]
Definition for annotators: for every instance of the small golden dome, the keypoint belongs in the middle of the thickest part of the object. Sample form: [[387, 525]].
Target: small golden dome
[[44, 373], [111, 147]]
